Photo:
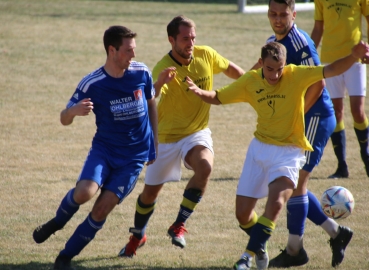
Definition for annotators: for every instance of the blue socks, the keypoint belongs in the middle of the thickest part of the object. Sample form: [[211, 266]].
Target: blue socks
[[315, 213], [297, 210], [68, 207], [84, 233]]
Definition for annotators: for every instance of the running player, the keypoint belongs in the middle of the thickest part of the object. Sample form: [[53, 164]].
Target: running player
[[121, 95], [183, 130]]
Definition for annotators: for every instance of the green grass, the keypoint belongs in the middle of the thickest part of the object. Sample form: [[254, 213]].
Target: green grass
[[46, 47]]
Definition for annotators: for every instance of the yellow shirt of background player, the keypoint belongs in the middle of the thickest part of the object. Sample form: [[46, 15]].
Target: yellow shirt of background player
[[180, 112], [342, 26], [280, 107]]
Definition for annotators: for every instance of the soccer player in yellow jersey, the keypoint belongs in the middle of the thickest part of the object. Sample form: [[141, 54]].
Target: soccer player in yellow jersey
[[276, 154], [182, 128], [338, 22]]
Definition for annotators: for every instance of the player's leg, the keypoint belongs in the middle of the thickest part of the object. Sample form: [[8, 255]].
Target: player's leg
[[355, 79], [145, 206], [83, 192], [116, 185], [252, 185], [280, 191], [340, 236], [263, 165], [197, 153], [336, 87], [167, 167]]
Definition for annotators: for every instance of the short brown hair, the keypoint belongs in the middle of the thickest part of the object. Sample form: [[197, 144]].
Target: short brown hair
[[176, 22], [114, 36], [275, 50], [289, 3]]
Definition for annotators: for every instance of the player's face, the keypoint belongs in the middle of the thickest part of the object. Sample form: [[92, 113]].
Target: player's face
[[281, 19], [272, 69], [125, 53], [182, 45]]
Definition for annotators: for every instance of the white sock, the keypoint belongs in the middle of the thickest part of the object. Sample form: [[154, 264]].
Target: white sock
[[294, 244], [331, 227]]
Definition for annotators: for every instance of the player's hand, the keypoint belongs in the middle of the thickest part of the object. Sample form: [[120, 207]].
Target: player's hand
[[167, 75], [193, 87], [84, 107], [361, 51]]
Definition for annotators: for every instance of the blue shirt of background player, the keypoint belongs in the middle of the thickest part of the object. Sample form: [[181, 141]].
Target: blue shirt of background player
[[122, 120], [301, 51]]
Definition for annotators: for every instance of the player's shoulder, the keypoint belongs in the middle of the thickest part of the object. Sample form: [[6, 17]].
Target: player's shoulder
[[91, 78], [204, 49], [138, 66]]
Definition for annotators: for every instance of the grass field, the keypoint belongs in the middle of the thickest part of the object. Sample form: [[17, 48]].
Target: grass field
[[46, 47]]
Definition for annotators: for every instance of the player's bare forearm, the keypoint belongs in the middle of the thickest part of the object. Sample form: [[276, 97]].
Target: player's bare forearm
[[339, 66], [233, 71], [206, 96], [317, 33], [312, 94], [66, 118], [82, 108]]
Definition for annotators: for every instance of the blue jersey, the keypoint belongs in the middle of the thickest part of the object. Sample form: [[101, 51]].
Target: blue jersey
[[301, 51], [120, 107]]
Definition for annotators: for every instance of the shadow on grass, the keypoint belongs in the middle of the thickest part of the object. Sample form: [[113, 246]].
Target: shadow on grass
[[121, 266]]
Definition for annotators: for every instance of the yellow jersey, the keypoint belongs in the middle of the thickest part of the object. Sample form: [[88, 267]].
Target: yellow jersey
[[342, 26], [280, 107], [180, 112]]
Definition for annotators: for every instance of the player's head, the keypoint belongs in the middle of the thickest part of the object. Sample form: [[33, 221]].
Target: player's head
[[273, 60], [281, 14], [119, 43], [181, 35]]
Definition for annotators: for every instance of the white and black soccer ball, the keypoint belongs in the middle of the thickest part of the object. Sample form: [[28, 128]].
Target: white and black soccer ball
[[337, 202]]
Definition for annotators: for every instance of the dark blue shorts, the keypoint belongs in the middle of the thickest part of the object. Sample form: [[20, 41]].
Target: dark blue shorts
[[318, 131], [119, 175]]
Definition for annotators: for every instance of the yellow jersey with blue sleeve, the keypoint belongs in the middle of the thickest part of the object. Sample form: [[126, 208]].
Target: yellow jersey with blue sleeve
[[342, 26], [279, 107], [180, 112]]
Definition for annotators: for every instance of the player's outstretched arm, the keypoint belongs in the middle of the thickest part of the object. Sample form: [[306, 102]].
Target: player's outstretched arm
[[82, 108], [206, 96], [339, 66], [164, 77]]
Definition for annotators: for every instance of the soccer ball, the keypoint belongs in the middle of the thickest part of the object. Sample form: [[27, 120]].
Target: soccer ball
[[337, 202]]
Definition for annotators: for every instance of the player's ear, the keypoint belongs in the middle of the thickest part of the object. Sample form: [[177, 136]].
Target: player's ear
[[260, 61], [294, 15], [171, 40]]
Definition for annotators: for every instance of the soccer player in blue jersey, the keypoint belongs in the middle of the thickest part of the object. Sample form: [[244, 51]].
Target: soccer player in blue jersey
[[320, 122], [122, 96], [184, 135], [274, 157]]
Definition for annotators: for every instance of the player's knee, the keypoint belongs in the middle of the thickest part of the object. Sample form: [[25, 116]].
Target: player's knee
[[204, 169], [82, 196], [272, 210]]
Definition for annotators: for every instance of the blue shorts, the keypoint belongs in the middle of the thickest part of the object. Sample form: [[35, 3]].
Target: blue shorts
[[118, 175], [318, 131]]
